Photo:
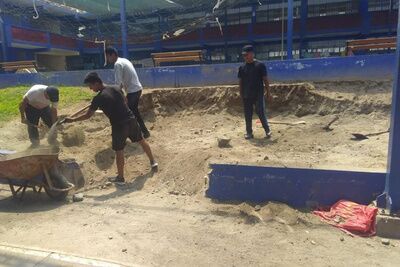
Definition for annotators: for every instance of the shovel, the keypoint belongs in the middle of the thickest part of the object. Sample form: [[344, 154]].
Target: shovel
[[72, 115], [52, 134], [358, 136]]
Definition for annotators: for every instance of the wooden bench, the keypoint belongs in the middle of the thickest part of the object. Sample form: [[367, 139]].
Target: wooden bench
[[18, 65], [371, 43], [194, 55]]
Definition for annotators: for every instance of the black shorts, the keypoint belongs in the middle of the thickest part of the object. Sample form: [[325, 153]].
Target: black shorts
[[120, 132]]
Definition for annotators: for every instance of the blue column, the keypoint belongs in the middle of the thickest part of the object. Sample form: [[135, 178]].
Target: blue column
[[389, 18], [253, 22], [3, 40], [303, 25], [124, 29], [392, 191], [365, 16], [158, 44], [225, 36], [289, 38]]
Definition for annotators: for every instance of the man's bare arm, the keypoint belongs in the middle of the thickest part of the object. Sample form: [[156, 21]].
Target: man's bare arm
[[267, 88], [83, 117], [22, 107]]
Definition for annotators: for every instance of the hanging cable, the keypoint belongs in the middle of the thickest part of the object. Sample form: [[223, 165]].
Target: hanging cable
[[104, 49], [36, 16]]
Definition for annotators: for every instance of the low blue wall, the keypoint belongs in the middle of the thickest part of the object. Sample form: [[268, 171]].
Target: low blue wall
[[296, 187], [372, 67]]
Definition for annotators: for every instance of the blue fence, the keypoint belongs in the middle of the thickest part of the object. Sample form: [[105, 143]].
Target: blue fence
[[296, 187], [371, 67]]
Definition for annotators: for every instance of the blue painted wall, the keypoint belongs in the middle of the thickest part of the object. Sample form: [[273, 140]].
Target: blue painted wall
[[296, 187], [369, 67]]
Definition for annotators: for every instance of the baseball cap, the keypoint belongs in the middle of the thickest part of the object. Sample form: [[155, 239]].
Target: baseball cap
[[247, 49], [53, 94]]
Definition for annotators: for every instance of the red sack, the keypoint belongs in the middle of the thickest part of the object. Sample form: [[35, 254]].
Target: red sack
[[351, 217]]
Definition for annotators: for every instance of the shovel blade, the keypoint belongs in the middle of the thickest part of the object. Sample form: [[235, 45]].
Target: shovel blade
[[358, 136]]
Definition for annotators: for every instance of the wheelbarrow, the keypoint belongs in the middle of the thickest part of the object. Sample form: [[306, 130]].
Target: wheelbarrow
[[36, 169]]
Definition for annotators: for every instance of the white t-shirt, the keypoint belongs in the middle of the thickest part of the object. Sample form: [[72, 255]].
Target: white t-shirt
[[36, 97], [126, 75]]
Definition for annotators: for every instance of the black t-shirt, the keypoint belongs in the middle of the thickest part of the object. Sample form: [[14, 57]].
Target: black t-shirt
[[252, 75], [112, 102]]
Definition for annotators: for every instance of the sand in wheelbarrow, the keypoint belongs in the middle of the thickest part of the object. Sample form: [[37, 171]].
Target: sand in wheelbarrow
[[73, 136]]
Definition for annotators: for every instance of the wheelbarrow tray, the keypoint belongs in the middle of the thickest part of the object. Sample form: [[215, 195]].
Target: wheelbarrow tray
[[28, 164], [29, 169]]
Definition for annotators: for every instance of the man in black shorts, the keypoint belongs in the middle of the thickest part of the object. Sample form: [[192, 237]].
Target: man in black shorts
[[111, 100], [252, 81]]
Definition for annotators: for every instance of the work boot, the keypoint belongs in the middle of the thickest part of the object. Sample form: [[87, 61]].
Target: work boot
[[154, 165], [117, 179], [146, 134], [268, 135], [34, 144], [248, 136]]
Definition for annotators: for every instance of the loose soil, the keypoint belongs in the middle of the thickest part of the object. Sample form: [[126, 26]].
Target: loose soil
[[164, 218]]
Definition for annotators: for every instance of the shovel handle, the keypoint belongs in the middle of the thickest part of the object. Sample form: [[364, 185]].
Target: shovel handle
[[79, 111]]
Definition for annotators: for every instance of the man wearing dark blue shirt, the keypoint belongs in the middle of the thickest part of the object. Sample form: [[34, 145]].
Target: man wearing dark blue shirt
[[253, 80]]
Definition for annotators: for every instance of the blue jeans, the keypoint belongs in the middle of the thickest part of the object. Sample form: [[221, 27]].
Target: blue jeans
[[259, 103]]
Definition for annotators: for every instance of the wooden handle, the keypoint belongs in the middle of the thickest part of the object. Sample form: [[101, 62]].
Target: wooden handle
[[79, 111]]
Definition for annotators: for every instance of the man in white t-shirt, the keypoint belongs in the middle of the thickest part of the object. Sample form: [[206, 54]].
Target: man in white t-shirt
[[40, 102], [127, 78]]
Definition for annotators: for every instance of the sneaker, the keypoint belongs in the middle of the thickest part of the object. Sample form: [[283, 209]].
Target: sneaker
[[268, 135], [248, 136], [154, 165], [146, 134], [117, 179]]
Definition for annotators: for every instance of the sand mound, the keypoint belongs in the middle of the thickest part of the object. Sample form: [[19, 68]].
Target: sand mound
[[184, 174], [270, 212], [300, 99], [186, 123], [73, 136]]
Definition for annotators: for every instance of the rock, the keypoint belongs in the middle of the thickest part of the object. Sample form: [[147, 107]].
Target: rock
[[196, 132], [108, 184], [257, 208], [223, 142], [313, 242], [386, 241], [124, 250], [110, 237], [174, 193], [77, 197], [342, 239], [266, 158]]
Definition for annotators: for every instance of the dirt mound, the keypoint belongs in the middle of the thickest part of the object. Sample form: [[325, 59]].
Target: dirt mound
[[73, 136], [270, 212], [300, 99], [186, 123], [184, 174]]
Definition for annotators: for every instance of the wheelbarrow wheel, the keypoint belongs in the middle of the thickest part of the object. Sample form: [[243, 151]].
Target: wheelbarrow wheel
[[56, 195]]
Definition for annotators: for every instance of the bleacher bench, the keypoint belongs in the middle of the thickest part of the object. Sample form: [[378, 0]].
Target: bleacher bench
[[18, 65], [371, 43], [168, 57]]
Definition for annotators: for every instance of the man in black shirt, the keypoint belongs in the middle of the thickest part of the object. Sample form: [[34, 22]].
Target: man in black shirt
[[252, 81], [111, 100]]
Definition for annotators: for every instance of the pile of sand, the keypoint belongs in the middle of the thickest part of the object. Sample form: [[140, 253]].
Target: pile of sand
[[186, 123], [73, 136]]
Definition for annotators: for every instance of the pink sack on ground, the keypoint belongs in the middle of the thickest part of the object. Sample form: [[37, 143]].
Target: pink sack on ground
[[351, 217]]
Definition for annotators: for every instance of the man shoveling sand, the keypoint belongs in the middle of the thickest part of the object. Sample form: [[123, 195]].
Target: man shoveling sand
[[111, 100], [40, 102]]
